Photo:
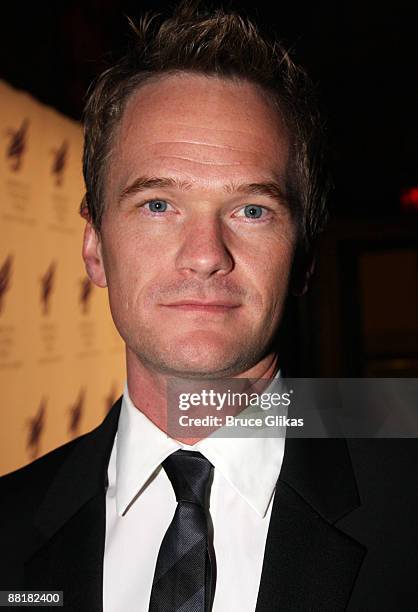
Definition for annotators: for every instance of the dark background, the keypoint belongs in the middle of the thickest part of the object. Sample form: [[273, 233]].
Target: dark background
[[363, 58]]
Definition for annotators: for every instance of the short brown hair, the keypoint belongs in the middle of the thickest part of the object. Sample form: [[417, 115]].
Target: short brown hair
[[226, 45]]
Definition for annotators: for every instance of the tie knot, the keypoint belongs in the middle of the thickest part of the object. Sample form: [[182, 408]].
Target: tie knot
[[189, 473]]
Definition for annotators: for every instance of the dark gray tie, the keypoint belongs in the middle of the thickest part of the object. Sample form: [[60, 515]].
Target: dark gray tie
[[184, 570]]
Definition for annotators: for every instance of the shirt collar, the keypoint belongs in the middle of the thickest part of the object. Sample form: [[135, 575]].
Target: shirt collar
[[251, 465]]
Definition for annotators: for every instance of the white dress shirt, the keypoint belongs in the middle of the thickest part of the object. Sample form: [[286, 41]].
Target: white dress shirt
[[140, 504]]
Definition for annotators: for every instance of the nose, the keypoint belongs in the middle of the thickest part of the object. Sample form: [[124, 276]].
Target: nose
[[203, 251]]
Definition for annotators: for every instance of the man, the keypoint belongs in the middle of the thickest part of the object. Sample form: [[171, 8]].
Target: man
[[205, 194]]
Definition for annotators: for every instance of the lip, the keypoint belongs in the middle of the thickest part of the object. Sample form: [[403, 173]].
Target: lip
[[204, 306]]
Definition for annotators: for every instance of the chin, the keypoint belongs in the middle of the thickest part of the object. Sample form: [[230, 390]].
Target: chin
[[201, 360], [201, 354], [197, 354]]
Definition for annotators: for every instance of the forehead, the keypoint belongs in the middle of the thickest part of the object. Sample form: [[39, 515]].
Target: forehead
[[200, 128]]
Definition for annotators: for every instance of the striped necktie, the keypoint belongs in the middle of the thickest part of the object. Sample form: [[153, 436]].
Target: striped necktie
[[183, 579]]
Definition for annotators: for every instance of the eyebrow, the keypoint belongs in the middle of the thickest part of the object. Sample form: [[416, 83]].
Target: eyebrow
[[143, 183], [270, 189]]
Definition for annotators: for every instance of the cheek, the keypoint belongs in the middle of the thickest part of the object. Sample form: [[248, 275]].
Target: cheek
[[269, 268], [272, 281], [133, 271], [123, 268]]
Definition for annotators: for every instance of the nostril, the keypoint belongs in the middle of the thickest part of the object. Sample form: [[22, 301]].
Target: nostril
[[204, 255]]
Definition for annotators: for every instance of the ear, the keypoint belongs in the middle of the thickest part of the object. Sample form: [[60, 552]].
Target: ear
[[92, 255], [303, 268]]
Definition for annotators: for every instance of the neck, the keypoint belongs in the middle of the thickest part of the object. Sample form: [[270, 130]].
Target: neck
[[148, 387]]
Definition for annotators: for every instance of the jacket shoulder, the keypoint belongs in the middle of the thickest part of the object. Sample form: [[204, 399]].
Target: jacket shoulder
[[23, 490], [27, 485]]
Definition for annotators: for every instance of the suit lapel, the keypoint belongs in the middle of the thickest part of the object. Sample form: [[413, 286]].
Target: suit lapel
[[67, 545], [309, 564]]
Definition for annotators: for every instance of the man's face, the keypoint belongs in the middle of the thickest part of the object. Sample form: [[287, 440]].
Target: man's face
[[197, 239]]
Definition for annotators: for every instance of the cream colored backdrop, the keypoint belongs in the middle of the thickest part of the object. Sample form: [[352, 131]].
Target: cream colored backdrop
[[61, 359]]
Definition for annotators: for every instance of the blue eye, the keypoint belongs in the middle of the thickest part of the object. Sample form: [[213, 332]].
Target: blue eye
[[157, 206], [252, 211]]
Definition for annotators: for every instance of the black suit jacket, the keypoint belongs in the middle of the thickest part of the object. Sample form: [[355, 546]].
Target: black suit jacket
[[343, 533]]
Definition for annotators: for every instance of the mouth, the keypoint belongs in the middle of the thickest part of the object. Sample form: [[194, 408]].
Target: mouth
[[214, 306]]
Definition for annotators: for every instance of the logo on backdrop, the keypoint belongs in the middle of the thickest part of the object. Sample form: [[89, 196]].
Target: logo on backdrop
[[36, 426], [5, 279], [47, 285], [59, 162], [17, 145], [86, 287], [76, 412], [111, 397]]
